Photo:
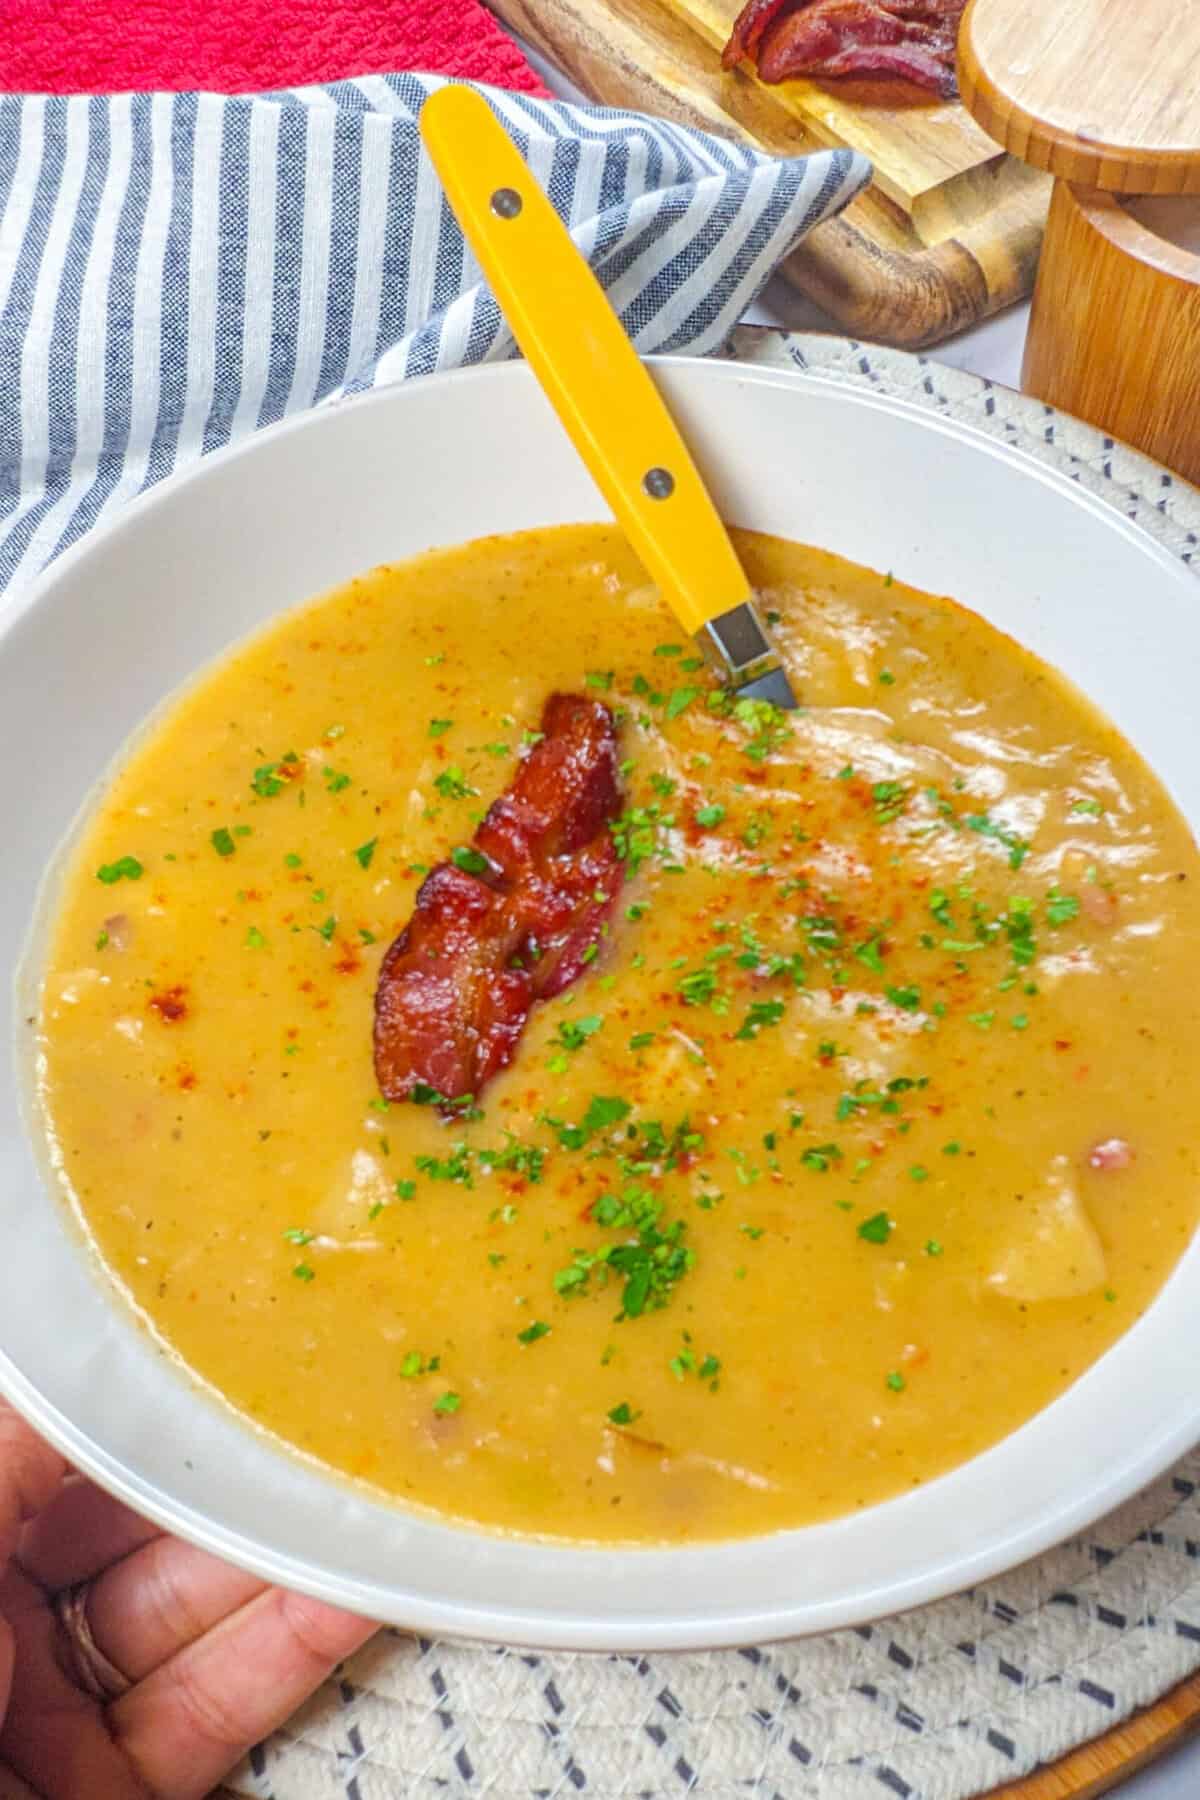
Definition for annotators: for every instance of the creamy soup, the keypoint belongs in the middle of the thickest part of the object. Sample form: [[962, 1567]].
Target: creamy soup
[[883, 1077]]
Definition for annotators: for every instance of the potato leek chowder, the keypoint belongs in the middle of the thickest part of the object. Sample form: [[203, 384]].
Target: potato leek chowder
[[526, 1079]]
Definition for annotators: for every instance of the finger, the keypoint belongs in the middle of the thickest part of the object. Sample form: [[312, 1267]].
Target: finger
[[30, 1471], [82, 1530], [186, 1725], [13, 1788], [159, 1600], [6, 1664], [54, 1736]]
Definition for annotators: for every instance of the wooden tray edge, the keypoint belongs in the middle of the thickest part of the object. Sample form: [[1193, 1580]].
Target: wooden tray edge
[[634, 54]]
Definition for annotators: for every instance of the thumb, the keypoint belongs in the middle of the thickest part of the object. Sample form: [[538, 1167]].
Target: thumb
[[7, 1649], [30, 1473]]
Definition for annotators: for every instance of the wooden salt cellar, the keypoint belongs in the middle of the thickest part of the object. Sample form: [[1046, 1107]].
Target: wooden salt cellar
[[1105, 94]]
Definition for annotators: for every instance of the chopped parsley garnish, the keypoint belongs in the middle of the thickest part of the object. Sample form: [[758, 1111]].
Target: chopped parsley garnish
[[1061, 908], [939, 906], [297, 1235], [327, 928], [886, 678], [766, 724], [821, 1157], [685, 1363], [699, 987], [447, 1403], [270, 779], [890, 799], [603, 1111], [762, 1012], [599, 678], [469, 860], [452, 784], [304, 1272], [636, 835], [531, 1333], [870, 954], [102, 940], [986, 826], [255, 939], [1091, 808], [439, 727], [896, 1382], [126, 868], [623, 1414], [573, 1034], [908, 999], [455, 1167], [877, 1229], [933, 1248], [335, 780], [521, 1159], [222, 841], [1018, 924], [708, 816], [641, 1040], [649, 1266], [414, 1364], [680, 700], [365, 852]]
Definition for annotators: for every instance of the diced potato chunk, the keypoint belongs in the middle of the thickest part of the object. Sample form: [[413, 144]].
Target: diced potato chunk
[[1055, 1252]]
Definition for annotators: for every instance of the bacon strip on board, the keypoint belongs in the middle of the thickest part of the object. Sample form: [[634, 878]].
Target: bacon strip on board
[[517, 925], [912, 40]]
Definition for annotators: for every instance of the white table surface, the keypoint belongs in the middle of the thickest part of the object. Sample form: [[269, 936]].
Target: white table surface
[[992, 349]]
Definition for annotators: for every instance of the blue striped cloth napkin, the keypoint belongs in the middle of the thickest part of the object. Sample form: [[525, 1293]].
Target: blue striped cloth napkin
[[177, 270]]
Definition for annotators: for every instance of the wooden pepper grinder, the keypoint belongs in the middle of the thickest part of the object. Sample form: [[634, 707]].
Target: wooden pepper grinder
[[1105, 94]]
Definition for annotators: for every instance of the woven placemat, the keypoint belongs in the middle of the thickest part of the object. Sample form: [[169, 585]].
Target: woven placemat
[[939, 1704]]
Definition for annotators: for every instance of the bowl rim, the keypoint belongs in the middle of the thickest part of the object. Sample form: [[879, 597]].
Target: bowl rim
[[725, 1627]]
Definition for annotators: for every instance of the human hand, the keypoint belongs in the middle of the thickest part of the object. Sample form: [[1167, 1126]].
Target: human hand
[[132, 1666]]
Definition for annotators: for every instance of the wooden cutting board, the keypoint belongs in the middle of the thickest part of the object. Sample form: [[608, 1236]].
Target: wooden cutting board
[[949, 230]]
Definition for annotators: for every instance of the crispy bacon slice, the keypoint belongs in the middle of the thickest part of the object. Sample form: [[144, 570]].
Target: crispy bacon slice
[[906, 62], [748, 28], [820, 34], [911, 40], [945, 12], [457, 985]]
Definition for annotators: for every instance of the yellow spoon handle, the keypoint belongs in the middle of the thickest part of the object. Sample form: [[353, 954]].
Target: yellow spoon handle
[[580, 354]]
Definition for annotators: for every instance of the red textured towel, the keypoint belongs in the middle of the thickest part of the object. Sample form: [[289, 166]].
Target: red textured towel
[[245, 46]]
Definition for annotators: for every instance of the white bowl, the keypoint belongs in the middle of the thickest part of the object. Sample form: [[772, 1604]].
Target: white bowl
[[124, 618]]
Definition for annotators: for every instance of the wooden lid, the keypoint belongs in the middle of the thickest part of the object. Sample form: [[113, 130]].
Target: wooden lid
[[1105, 93]]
